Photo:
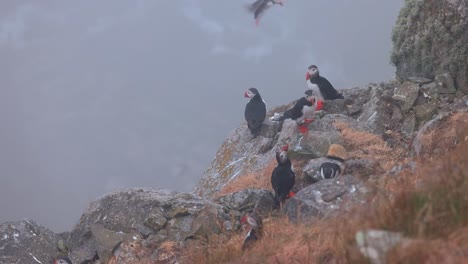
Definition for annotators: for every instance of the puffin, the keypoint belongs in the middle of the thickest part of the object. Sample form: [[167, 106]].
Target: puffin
[[256, 229], [302, 111], [321, 85], [255, 111], [260, 6], [283, 177], [334, 164]]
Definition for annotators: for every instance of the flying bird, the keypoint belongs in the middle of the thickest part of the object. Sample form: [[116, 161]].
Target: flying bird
[[260, 6], [255, 111]]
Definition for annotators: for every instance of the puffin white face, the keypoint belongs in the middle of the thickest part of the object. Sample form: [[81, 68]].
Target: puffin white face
[[283, 156], [249, 94], [252, 222], [312, 72], [310, 98]]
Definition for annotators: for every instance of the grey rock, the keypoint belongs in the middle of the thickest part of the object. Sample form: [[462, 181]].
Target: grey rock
[[328, 123], [320, 199], [377, 112], [156, 238], [419, 80], [312, 170], [409, 125], [317, 143], [445, 83], [337, 106], [375, 244], [355, 99], [406, 95], [265, 204], [156, 220], [425, 112], [227, 226], [244, 200], [207, 222], [175, 212], [127, 211], [106, 240], [397, 116], [25, 241]]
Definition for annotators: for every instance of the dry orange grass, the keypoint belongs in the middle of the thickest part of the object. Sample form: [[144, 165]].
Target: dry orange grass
[[261, 179], [444, 135], [365, 145]]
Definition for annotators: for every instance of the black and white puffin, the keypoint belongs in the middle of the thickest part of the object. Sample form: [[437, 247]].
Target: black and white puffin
[[256, 229], [321, 86], [283, 177], [255, 111], [302, 111], [260, 6], [334, 164]]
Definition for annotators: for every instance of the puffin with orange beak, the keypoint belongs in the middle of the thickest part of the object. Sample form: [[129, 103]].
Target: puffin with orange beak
[[320, 85], [302, 111], [255, 111], [283, 177], [260, 6], [256, 229]]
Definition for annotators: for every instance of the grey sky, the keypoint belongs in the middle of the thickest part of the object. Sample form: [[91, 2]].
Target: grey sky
[[98, 95]]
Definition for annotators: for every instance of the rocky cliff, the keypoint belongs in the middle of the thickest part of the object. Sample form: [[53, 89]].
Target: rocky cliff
[[430, 40], [387, 128], [383, 126]]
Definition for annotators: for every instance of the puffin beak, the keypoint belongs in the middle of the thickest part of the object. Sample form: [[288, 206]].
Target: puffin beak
[[246, 95], [307, 76], [243, 220]]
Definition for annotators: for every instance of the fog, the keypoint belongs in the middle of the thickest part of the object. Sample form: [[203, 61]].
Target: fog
[[101, 95]]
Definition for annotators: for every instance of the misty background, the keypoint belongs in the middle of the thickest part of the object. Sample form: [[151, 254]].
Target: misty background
[[101, 95]]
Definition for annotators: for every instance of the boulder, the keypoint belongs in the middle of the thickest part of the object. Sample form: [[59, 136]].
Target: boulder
[[419, 80], [135, 211], [375, 244], [245, 200], [316, 143], [406, 95], [377, 112], [337, 106], [355, 98], [425, 112], [207, 222], [409, 125], [320, 199], [25, 241], [311, 171]]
